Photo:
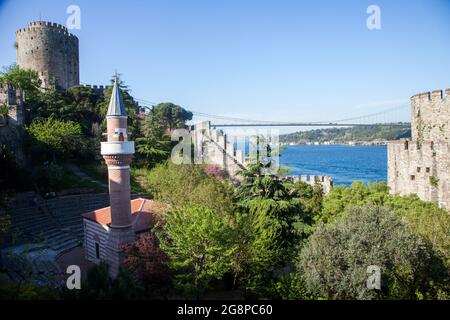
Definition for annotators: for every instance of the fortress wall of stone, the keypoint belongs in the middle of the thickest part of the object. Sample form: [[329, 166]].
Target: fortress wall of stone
[[214, 147], [217, 148], [420, 168], [51, 50], [14, 100], [422, 165], [312, 180], [430, 116]]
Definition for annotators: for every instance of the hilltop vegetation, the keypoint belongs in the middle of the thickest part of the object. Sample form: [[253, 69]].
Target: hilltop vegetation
[[342, 135], [263, 238], [66, 126]]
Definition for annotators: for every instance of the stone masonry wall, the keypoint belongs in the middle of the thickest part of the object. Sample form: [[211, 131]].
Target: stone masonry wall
[[14, 100], [422, 165], [51, 50], [430, 116], [214, 147]]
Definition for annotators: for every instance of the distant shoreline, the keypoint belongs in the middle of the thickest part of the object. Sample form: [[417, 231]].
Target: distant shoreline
[[327, 143], [365, 136]]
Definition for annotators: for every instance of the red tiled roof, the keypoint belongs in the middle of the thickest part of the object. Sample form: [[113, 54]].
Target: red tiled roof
[[143, 212]]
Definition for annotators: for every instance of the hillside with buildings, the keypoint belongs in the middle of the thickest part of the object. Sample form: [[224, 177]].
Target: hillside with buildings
[[371, 133]]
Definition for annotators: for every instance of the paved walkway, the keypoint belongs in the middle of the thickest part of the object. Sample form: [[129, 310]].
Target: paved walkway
[[77, 171]]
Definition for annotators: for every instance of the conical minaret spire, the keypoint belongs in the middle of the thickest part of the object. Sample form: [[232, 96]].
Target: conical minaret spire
[[118, 153], [116, 106]]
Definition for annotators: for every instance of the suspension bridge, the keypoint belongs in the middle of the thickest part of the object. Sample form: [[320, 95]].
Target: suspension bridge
[[390, 117]]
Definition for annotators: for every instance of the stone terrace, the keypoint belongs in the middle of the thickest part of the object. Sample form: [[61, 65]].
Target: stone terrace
[[56, 222], [43, 230]]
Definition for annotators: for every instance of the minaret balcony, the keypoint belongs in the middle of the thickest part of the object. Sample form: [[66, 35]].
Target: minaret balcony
[[117, 147]]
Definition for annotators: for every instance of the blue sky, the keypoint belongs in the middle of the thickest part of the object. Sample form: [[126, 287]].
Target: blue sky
[[268, 60]]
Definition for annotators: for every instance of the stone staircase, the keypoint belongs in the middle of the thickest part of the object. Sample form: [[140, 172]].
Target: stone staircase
[[57, 222], [42, 230], [33, 263]]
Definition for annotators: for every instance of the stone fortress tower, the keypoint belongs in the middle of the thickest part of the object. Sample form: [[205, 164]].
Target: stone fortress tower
[[118, 153], [51, 50], [422, 165]]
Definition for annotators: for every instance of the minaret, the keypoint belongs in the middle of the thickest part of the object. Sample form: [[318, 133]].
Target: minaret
[[118, 153]]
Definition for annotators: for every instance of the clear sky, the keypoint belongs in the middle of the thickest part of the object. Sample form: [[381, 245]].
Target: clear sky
[[268, 60]]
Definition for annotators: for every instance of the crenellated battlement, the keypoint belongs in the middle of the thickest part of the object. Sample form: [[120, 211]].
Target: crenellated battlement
[[430, 115], [97, 88], [325, 181], [435, 95], [43, 24]]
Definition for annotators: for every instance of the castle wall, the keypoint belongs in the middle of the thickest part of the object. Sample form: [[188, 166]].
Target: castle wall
[[14, 100], [11, 134], [51, 50], [325, 181], [430, 116], [215, 147], [422, 165]]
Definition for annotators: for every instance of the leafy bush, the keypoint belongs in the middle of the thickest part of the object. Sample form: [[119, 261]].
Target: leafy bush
[[198, 242], [49, 177], [98, 285], [181, 185], [145, 259], [334, 261], [341, 198], [289, 287], [55, 138], [257, 250], [12, 175], [26, 291], [425, 218], [27, 80]]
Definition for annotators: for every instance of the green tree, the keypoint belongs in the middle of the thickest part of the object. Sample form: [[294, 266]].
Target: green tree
[[28, 80], [197, 242], [341, 198], [181, 185], [289, 287], [257, 250], [425, 218], [60, 139], [4, 109], [269, 194], [153, 148], [79, 104], [335, 259], [168, 116]]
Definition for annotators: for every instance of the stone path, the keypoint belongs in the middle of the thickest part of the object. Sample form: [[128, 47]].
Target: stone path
[[78, 172]]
